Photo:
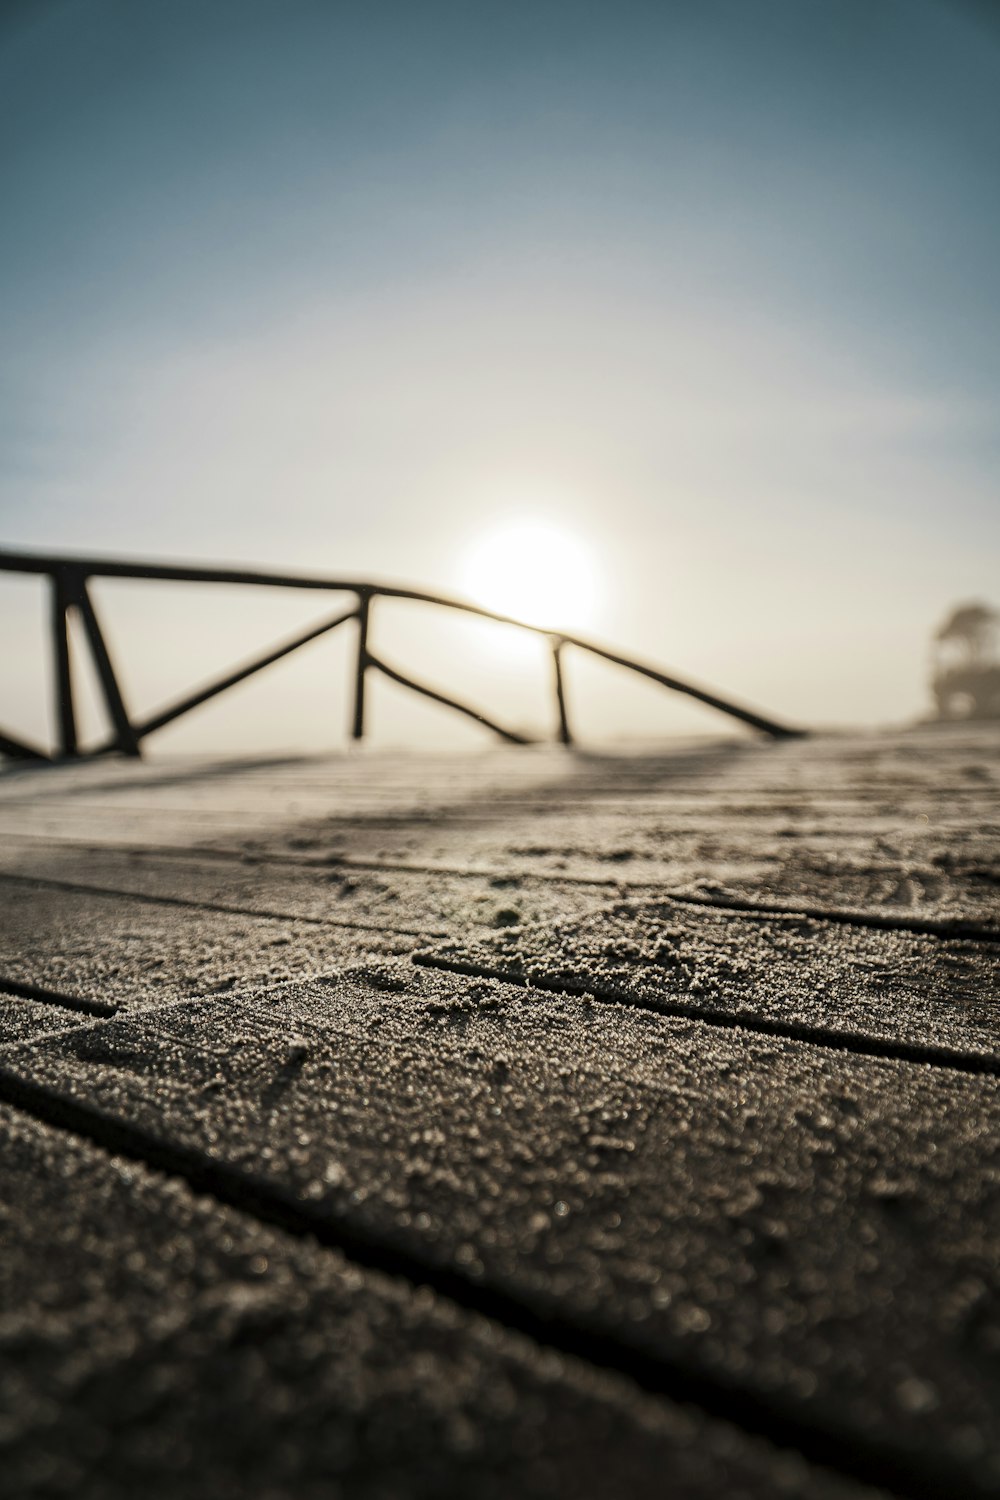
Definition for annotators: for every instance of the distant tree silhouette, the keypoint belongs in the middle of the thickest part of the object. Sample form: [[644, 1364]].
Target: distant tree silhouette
[[966, 683], [971, 626]]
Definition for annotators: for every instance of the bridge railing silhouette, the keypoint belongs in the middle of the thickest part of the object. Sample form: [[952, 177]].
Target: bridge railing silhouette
[[69, 578]]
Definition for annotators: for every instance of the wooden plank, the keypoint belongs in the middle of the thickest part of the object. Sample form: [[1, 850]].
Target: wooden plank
[[797, 1234], [23, 1019], [115, 949], [804, 975], [156, 1343], [381, 899]]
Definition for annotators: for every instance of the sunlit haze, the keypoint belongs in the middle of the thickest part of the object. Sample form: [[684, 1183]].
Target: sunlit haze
[[671, 323], [535, 571]]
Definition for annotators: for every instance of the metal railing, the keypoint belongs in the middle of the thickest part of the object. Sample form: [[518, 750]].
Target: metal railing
[[69, 578]]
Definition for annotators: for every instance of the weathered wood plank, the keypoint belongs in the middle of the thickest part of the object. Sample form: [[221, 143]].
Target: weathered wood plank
[[116, 949], [23, 1019], [801, 1235], [195, 1351], [377, 900], [788, 1225], [795, 972]]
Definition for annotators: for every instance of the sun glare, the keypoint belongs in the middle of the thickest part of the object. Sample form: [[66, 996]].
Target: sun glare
[[535, 571]]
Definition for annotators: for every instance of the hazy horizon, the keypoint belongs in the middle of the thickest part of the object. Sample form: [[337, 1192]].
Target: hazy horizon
[[709, 290]]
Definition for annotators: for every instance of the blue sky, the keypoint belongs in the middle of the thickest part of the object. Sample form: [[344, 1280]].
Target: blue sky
[[711, 285]]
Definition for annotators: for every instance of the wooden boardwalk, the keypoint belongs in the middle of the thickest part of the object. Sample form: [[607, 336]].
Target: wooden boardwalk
[[528, 1124]]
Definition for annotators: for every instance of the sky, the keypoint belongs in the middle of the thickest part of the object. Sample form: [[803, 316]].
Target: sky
[[707, 288]]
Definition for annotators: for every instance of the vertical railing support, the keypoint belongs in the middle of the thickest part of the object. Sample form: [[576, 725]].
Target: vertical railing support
[[65, 713], [565, 734], [364, 604], [126, 739]]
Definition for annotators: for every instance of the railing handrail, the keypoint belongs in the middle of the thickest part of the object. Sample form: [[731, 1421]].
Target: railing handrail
[[70, 574]]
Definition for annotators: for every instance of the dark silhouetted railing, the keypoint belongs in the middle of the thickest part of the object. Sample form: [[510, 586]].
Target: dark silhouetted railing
[[69, 578]]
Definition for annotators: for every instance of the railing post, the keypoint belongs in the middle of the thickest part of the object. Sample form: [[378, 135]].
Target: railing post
[[126, 739], [565, 734], [65, 714], [364, 604]]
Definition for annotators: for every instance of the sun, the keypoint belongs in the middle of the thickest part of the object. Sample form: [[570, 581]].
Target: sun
[[534, 570]]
